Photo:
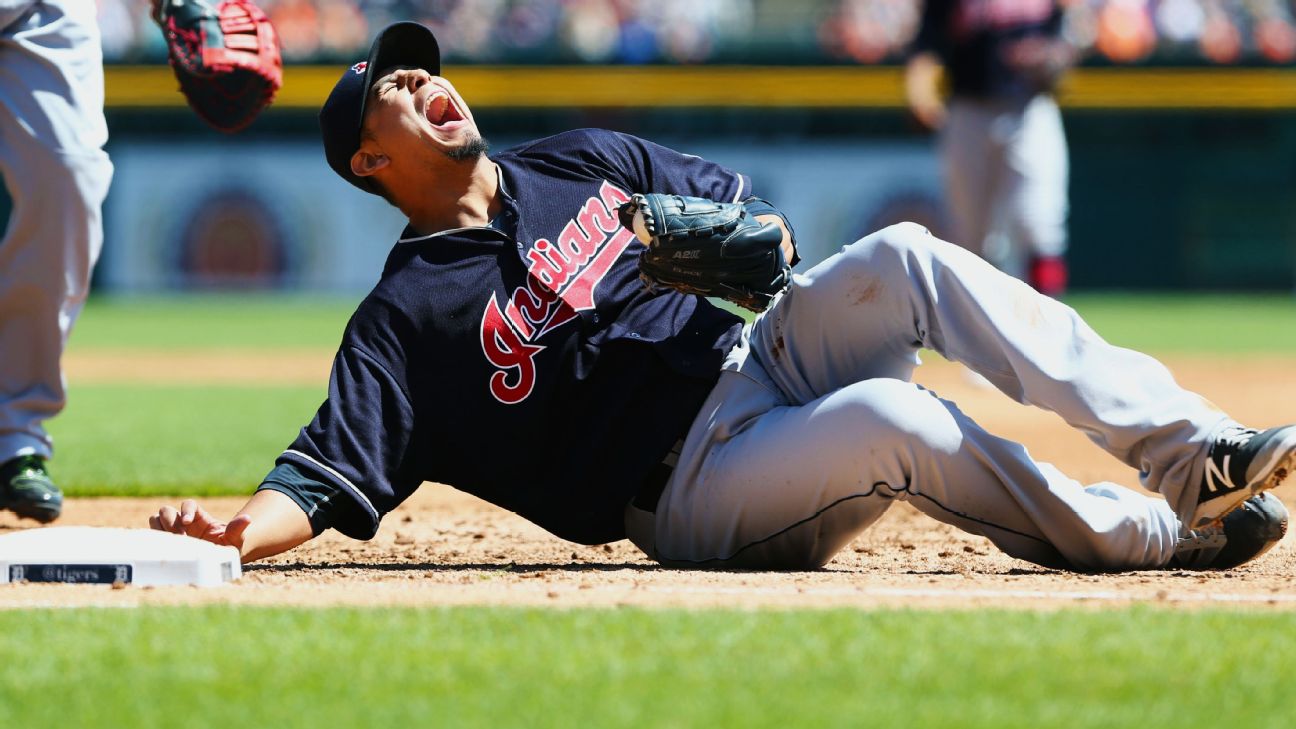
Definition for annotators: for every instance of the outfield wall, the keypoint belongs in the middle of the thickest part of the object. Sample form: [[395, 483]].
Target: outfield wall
[[1166, 193], [273, 215]]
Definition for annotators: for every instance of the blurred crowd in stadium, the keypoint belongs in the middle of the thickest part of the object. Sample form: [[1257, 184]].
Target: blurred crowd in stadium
[[729, 31]]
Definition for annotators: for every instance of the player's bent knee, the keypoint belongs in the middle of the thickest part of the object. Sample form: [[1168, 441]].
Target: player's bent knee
[[907, 227], [904, 238], [890, 409], [890, 246]]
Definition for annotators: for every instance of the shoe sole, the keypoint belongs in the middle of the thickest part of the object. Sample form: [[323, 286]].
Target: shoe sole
[[1274, 527], [1265, 526], [41, 514], [1280, 466]]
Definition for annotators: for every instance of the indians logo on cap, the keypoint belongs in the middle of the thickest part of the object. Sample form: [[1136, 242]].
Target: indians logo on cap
[[360, 67]]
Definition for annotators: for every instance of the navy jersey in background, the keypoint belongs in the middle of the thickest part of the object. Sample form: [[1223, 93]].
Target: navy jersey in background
[[523, 362], [975, 39]]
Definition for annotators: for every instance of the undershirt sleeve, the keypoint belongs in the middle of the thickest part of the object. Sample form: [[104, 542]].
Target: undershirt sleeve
[[325, 504]]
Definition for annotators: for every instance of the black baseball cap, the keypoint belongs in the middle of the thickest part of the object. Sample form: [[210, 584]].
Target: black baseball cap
[[399, 44]]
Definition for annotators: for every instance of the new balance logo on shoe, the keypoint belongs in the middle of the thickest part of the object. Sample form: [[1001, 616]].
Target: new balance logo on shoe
[[1241, 463], [1222, 451], [1217, 479]]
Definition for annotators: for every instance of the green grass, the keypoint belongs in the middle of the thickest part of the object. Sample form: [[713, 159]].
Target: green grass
[[489, 667], [1213, 323], [134, 440], [261, 321], [240, 667], [1192, 323], [172, 440]]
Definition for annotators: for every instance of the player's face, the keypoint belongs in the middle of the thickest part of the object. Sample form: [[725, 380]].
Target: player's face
[[409, 104]]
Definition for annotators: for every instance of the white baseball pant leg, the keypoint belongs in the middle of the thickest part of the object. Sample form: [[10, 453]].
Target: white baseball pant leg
[[52, 132], [815, 430], [1006, 175]]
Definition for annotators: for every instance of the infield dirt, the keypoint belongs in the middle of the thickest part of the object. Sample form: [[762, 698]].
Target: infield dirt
[[446, 548]]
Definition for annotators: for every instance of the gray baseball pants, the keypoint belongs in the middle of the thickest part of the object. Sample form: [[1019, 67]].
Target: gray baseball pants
[[52, 132], [814, 429], [1006, 172]]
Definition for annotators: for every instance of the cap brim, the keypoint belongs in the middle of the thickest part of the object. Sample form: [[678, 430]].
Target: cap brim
[[401, 44]]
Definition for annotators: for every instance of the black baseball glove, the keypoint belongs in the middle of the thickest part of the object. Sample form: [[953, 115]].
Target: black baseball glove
[[702, 247], [225, 55]]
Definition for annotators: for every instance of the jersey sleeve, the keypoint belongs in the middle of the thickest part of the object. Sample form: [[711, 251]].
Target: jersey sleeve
[[325, 503], [357, 445], [650, 167]]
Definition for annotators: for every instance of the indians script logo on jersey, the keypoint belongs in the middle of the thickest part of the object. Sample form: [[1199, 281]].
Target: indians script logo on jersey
[[561, 277]]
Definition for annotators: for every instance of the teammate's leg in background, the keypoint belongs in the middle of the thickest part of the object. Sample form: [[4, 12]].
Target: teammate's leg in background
[[1035, 201], [973, 150], [973, 167], [52, 131]]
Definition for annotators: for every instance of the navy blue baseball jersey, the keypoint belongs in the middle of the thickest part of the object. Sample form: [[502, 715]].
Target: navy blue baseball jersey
[[975, 40], [523, 362]]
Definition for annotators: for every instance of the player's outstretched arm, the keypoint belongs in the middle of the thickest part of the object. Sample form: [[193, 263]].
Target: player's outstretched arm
[[268, 524]]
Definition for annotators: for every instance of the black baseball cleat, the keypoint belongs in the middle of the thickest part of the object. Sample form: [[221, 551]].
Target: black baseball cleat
[[1241, 463], [1242, 535], [27, 490]]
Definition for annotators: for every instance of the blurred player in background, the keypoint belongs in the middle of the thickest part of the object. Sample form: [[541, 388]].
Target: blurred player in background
[[52, 133], [1001, 133]]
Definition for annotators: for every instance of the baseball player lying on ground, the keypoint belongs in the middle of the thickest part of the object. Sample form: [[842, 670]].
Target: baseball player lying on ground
[[511, 350]]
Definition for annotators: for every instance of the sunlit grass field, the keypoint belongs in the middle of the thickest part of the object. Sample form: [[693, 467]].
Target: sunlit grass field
[[490, 667], [196, 439], [478, 667], [1152, 322]]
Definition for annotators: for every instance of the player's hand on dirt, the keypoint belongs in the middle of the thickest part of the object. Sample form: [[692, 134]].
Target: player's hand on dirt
[[194, 521]]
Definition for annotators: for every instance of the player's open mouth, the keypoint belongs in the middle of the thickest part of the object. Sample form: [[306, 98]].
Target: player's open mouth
[[441, 111]]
